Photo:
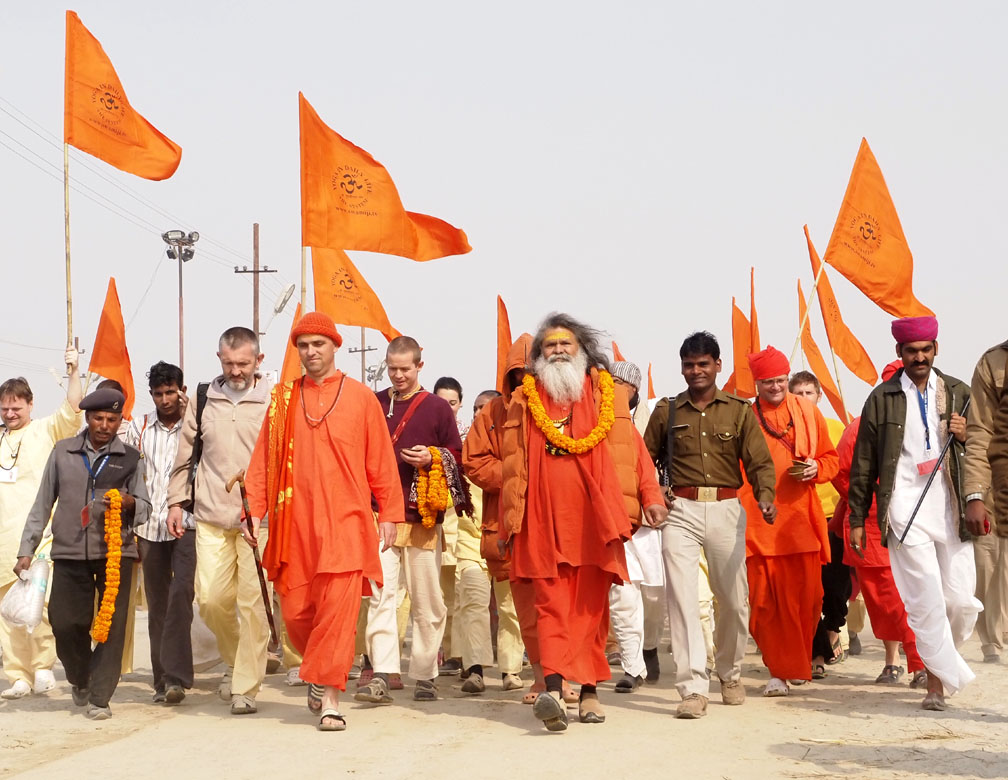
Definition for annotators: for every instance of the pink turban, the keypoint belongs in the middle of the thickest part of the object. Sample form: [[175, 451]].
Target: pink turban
[[769, 363], [909, 329]]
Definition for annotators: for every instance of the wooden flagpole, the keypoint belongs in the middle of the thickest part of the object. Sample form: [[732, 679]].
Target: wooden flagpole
[[808, 308], [839, 387], [66, 231]]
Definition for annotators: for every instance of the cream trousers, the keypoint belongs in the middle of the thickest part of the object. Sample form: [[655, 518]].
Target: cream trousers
[[471, 627], [230, 603], [427, 610]]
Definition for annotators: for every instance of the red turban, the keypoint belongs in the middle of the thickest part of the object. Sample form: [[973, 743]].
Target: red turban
[[911, 329], [769, 363], [315, 322], [890, 371]]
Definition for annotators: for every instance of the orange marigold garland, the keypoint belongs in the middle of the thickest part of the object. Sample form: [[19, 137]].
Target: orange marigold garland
[[433, 495], [606, 418], [113, 540]]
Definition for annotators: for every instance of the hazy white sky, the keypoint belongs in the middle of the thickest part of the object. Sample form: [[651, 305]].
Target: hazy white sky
[[623, 162]]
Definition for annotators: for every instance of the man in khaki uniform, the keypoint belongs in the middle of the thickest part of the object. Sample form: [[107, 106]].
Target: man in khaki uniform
[[227, 586], [986, 436], [710, 433]]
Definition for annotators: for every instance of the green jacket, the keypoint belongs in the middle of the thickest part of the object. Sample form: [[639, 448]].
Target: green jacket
[[880, 441]]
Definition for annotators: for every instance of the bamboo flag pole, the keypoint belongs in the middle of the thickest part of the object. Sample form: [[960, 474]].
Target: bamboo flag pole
[[304, 277], [836, 373], [66, 231], [808, 308]]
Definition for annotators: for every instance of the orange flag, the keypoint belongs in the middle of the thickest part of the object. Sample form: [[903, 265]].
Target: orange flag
[[868, 245], [348, 201], [109, 356], [291, 363], [343, 294], [98, 118], [744, 384], [843, 343], [503, 342], [754, 339], [650, 384], [617, 355], [729, 386], [817, 364]]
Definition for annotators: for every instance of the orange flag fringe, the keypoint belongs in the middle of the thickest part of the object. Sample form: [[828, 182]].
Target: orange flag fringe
[[868, 245], [109, 356], [754, 339], [503, 342], [292, 362], [348, 201], [343, 294], [841, 340], [817, 364], [98, 118], [617, 355], [650, 384], [744, 384]]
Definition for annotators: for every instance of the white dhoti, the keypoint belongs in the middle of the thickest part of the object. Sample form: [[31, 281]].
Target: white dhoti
[[937, 582], [635, 608]]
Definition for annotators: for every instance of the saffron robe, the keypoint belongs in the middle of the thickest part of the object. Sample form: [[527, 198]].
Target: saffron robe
[[323, 541], [784, 560]]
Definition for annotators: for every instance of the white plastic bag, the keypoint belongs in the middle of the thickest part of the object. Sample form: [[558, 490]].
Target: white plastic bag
[[24, 602]]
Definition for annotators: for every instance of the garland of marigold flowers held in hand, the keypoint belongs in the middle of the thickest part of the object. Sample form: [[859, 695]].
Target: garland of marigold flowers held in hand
[[113, 540], [433, 495], [606, 418]]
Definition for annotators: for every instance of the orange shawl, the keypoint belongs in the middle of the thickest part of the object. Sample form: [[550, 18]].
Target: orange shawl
[[280, 474]]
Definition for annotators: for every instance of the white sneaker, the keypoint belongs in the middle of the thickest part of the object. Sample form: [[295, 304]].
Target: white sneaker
[[776, 687], [18, 690], [45, 681], [294, 677]]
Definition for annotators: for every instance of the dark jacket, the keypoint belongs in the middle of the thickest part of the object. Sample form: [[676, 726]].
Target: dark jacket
[[66, 479], [878, 446]]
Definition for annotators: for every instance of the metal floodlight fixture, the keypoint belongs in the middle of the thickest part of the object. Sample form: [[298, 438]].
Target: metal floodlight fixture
[[193, 237], [171, 253], [187, 254], [173, 236]]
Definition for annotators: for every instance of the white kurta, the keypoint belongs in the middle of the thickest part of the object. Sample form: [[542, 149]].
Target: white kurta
[[934, 570]]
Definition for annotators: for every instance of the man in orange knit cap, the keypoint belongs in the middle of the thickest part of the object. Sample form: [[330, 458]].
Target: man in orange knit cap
[[322, 452], [784, 561]]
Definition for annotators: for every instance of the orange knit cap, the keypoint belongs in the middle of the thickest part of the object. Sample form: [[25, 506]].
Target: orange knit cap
[[315, 322], [769, 363]]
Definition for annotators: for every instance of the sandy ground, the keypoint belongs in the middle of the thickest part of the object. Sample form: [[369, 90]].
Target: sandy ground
[[844, 726]]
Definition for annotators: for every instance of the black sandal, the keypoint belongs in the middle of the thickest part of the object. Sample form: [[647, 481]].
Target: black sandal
[[890, 675]]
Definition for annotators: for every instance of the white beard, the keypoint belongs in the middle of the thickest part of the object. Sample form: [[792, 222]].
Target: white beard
[[562, 376]]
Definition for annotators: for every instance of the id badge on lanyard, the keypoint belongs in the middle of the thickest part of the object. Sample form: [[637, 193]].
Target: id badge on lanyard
[[93, 474], [926, 466]]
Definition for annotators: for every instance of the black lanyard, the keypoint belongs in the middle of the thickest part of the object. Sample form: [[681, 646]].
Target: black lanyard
[[93, 473], [14, 452]]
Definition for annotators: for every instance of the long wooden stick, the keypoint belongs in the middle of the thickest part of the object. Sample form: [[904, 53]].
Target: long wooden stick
[[66, 231], [808, 308], [836, 373]]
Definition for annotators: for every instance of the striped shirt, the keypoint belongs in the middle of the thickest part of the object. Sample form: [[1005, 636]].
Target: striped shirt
[[157, 444]]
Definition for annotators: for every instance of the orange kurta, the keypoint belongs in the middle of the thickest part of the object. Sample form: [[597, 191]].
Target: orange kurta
[[784, 560], [323, 547]]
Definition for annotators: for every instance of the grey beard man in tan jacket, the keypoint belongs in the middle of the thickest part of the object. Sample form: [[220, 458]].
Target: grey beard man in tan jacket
[[227, 586]]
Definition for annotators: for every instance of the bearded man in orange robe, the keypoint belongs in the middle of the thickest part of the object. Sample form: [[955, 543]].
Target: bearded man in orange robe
[[784, 560], [563, 511], [322, 452]]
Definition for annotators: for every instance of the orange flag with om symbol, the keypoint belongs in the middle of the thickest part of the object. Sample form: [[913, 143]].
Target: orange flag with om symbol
[[343, 294], [841, 340], [98, 118], [817, 364], [349, 201], [109, 357], [868, 245]]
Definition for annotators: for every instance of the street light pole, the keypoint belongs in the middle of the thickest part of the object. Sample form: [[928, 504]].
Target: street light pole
[[180, 247]]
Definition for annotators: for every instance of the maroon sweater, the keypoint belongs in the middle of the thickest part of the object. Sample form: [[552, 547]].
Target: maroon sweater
[[432, 425]]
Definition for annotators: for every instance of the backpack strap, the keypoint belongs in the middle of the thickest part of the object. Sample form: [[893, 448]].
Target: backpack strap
[[197, 449], [670, 431]]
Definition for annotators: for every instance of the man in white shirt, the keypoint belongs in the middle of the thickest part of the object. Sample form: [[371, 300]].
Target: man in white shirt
[[169, 563], [905, 424]]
